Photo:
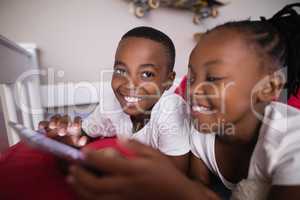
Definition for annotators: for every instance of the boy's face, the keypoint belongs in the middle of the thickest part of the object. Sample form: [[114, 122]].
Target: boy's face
[[141, 74], [222, 72]]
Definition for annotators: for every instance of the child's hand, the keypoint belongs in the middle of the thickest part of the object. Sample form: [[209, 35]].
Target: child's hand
[[63, 129], [149, 175]]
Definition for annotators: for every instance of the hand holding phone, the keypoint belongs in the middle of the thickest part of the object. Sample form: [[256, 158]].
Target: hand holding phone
[[65, 130], [44, 143]]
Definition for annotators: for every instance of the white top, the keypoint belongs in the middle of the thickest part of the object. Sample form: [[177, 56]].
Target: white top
[[276, 157], [167, 129], [203, 147]]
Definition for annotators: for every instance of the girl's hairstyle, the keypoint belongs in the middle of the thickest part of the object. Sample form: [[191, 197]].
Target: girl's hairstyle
[[157, 36], [278, 38]]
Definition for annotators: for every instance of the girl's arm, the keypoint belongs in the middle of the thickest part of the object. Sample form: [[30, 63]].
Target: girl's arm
[[181, 162], [148, 176], [284, 192], [198, 171]]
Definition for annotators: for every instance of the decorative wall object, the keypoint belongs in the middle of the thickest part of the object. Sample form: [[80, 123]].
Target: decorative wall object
[[202, 9]]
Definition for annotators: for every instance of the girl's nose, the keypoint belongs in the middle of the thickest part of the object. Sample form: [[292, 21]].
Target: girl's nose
[[196, 90]]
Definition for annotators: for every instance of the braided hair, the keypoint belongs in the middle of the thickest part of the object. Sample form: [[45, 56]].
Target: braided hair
[[277, 38]]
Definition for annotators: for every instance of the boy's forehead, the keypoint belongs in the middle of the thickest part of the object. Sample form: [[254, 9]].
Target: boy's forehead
[[140, 45], [135, 51], [139, 42]]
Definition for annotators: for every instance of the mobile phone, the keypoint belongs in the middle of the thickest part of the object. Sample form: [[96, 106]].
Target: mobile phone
[[38, 140]]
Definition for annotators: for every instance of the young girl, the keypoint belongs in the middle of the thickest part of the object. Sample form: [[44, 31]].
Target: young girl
[[239, 132]]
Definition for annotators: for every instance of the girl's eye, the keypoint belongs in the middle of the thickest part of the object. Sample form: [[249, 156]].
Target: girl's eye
[[213, 79], [119, 71], [148, 74]]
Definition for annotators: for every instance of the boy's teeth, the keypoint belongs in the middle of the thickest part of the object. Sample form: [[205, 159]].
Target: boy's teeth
[[201, 109], [132, 99]]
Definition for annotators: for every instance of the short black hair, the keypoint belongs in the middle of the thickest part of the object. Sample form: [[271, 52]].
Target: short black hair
[[157, 36], [278, 37]]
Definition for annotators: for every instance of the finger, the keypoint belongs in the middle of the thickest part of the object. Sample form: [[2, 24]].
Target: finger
[[82, 141], [63, 121], [109, 160], [82, 193], [74, 129], [138, 148], [96, 184], [52, 133], [78, 121], [55, 117], [72, 140], [53, 121], [62, 125], [69, 140], [43, 125], [86, 194]]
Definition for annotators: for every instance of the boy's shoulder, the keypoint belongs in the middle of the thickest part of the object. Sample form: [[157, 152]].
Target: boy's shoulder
[[169, 103], [170, 110]]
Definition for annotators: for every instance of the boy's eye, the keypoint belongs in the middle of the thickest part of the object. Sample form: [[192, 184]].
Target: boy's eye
[[148, 74], [119, 71], [191, 79], [213, 79]]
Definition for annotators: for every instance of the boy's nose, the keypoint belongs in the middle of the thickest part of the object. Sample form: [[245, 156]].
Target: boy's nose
[[131, 84]]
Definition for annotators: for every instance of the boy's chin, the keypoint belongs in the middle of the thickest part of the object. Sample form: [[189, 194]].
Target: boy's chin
[[133, 111]]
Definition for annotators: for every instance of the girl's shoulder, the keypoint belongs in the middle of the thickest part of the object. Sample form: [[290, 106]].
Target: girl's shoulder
[[276, 157], [280, 122]]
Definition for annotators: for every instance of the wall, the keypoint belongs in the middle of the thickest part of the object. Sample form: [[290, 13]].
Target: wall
[[80, 36]]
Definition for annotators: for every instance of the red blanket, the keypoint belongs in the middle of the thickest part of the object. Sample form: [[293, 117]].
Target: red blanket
[[29, 174]]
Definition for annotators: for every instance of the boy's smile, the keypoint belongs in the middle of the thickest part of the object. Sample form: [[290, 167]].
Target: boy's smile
[[140, 74], [131, 99]]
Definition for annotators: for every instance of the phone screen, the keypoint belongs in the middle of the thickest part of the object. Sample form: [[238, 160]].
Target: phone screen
[[40, 141]]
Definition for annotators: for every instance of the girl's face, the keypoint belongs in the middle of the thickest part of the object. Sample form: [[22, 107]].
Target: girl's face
[[141, 74], [223, 70]]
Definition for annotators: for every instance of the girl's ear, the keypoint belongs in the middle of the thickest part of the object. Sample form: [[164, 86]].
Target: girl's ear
[[271, 87], [170, 80]]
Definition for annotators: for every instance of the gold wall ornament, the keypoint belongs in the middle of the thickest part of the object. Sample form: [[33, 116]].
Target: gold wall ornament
[[197, 36], [202, 9]]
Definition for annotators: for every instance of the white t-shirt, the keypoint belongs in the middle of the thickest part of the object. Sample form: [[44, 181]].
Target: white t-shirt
[[167, 129], [276, 157]]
